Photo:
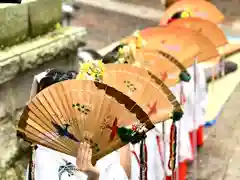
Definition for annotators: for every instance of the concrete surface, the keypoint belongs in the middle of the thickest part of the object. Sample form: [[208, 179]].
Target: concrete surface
[[105, 27], [139, 11]]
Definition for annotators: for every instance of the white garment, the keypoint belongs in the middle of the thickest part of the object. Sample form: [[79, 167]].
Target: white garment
[[198, 101], [186, 124], [155, 170], [53, 165]]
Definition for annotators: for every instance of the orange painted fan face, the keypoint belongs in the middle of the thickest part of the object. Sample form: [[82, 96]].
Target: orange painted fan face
[[189, 38], [155, 97], [161, 66], [190, 8], [205, 27], [72, 111], [163, 39]]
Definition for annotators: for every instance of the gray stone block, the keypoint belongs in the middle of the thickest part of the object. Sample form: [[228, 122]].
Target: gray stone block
[[43, 15], [13, 23], [38, 51]]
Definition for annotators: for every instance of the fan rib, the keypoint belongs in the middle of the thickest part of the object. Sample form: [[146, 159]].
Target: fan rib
[[44, 124], [67, 110]]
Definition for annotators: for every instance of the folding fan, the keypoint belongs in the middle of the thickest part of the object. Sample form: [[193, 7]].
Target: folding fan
[[143, 87], [169, 43], [152, 55], [207, 49], [190, 8], [165, 67], [168, 3], [207, 28], [72, 111], [183, 47]]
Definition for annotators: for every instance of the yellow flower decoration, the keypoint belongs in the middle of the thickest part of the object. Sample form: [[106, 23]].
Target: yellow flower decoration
[[140, 42], [187, 13], [92, 70], [121, 53]]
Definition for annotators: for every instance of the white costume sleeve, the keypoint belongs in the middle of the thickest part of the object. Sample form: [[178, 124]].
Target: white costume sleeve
[[113, 172], [183, 126], [110, 168], [50, 164]]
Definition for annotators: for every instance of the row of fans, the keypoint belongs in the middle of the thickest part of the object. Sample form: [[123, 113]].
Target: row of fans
[[109, 105]]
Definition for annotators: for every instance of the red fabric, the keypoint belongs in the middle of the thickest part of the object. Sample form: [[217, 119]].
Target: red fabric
[[200, 137], [182, 172]]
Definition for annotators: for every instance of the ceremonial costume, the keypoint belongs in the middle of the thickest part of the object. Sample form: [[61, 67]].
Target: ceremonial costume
[[49, 164], [184, 92]]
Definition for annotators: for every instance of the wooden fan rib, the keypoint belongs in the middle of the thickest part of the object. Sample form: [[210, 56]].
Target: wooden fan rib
[[44, 107], [29, 137], [55, 112], [47, 126], [83, 99], [68, 110], [68, 120], [101, 114], [42, 136], [52, 107], [74, 113], [42, 114]]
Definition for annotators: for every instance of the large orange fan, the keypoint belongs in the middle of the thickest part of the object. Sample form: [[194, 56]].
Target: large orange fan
[[158, 52], [165, 67], [207, 28], [190, 8], [181, 48], [72, 111], [144, 88], [207, 49], [168, 3]]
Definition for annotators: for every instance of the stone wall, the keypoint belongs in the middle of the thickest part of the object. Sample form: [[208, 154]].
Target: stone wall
[[18, 65], [30, 43], [27, 20]]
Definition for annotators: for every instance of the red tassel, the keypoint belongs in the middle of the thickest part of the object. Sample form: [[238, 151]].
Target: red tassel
[[172, 158]]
